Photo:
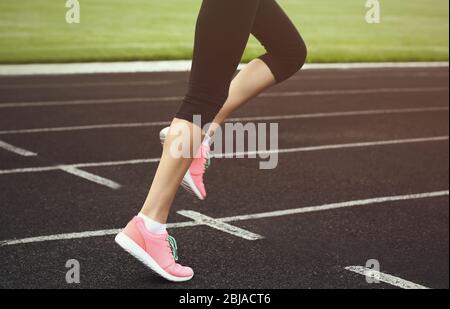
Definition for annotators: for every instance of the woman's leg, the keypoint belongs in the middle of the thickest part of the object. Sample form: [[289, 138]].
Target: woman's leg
[[253, 79], [223, 29], [218, 48], [286, 54], [222, 32], [170, 172]]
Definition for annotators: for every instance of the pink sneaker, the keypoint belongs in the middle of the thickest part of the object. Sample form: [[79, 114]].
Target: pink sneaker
[[157, 252], [193, 180]]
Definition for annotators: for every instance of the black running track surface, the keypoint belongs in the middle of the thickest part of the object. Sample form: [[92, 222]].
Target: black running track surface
[[312, 249]]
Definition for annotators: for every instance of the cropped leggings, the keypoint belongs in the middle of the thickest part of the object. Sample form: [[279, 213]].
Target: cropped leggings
[[222, 32]]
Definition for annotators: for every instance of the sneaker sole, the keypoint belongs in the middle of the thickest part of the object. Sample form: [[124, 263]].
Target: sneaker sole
[[188, 185], [137, 252]]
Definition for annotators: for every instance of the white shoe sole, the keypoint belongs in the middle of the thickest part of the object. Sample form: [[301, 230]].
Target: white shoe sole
[[188, 183], [132, 248]]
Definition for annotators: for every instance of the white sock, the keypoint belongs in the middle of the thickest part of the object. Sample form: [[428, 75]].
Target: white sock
[[152, 226], [207, 140]]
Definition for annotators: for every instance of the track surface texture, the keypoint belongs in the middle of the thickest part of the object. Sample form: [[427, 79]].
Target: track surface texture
[[72, 121]]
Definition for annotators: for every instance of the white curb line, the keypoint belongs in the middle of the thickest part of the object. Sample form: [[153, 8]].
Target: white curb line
[[176, 66]]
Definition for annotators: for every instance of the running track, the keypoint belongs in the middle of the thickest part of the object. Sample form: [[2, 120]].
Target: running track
[[363, 174]]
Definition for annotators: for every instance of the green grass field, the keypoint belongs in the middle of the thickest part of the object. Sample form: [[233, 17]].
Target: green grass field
[[113, 30]]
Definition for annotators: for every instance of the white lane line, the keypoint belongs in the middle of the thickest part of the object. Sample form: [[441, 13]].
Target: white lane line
[[71, 169], [264, 95], [302, 77], [227, 155], [30, 170], [341, 114], [376, 65], [87, 127], [88, 234], [68, 236], [331, 147], [117, 163], [310, 209], [386, 278], [371, 75], [68, 169], [177, 66], [19, 151], [219, 225], [78, 165], [92, 102], [354, 92], [91, 177], [92, 84], [240, 119], [349, 204]]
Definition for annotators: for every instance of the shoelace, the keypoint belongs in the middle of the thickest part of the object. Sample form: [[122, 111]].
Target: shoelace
[[208, 160], [173, 247]]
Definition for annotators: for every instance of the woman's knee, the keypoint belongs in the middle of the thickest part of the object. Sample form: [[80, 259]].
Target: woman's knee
[[302, 54], [295, 58], [287, 60]]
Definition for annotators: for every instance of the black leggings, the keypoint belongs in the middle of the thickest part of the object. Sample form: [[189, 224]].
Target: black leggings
[[222, 32]]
